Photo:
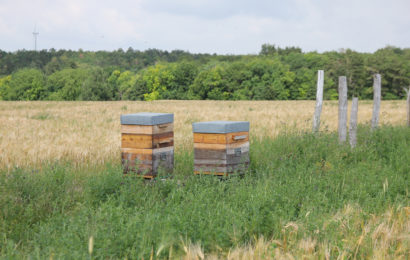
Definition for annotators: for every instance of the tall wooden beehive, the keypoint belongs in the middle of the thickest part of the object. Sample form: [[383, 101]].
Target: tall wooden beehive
[[147, 143], [221, 147]]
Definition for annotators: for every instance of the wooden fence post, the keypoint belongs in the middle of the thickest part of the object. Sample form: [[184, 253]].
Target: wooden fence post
[[377, 90], [319, 100], [408, 105], [342, 108], [353, 122]]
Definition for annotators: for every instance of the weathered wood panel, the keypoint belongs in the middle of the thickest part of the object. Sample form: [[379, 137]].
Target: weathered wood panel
[[142, 141], [164, 128], [220, 146], [142, 164], [236, 137], [163, 140], [210, 154], [244, 148], [136, 129], [136, 141], [147, 129], [163, 161], [230, 159], [143, 158]]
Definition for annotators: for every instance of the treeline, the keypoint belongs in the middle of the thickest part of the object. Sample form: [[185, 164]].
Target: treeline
[[274, 74]]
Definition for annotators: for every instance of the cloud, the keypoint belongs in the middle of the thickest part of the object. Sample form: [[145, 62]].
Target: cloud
[[205, 26]]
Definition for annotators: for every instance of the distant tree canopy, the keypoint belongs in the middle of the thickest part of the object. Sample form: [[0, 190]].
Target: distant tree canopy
[[275, 74]]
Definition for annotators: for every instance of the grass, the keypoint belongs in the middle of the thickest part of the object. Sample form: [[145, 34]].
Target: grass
[[88, 133], [305, 196]]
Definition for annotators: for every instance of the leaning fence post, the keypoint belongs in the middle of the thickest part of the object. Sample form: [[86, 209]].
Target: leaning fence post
[[319, 100], [353, 122], [342, 108], [377, 88], [408, 105]]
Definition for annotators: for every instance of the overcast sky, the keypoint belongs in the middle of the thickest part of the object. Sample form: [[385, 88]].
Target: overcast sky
[[205, 26]]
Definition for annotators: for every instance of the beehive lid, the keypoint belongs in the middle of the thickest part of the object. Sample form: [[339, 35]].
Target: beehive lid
[[146, 118], [220, 127]]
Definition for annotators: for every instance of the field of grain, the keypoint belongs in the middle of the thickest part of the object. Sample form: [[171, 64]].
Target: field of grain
[[89, 132], [305, 196]]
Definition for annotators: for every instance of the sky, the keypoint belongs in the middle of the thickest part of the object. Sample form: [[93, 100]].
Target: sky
[[205, 26]]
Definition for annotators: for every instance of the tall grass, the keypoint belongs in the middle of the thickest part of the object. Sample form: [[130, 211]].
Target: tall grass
[[89, 132], [304, 196]]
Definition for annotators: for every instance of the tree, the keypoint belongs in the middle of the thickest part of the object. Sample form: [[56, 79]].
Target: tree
[[5, 87], [159, 79], [95, 86], [26, 84], [210, 84], [66, 84]]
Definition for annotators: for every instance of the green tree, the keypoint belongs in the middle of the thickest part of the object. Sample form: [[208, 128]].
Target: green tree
[[5, 87], [27, 84], [210, 84], [66, 84], [95, 86], [158, 79]]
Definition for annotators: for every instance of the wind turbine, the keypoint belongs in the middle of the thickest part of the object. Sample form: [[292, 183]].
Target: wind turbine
[[35, 34]]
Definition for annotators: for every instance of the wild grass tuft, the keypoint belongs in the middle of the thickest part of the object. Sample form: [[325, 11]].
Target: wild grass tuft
[[304, 196]]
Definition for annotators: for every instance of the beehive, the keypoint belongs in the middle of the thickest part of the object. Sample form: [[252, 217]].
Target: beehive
[[221, 147], [147, 143]]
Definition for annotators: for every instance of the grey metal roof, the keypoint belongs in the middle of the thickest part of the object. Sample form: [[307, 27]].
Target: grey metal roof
[[146, 118], [220, 127]]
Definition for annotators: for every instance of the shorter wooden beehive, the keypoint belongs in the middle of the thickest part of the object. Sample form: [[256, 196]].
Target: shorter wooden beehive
[[147, 143], [221, 147]]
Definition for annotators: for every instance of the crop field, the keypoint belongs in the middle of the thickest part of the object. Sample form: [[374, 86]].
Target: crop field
[[89, 132], [63, 194]]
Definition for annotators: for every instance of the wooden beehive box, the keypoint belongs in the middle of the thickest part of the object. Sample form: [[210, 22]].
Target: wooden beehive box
[[221, 147], [147, 143]]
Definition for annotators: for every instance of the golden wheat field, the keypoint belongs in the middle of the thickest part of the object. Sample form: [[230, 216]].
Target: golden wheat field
[[89, 132]]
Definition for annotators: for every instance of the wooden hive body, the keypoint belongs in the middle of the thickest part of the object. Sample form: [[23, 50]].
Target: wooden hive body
[[221, 147], [147, 143]]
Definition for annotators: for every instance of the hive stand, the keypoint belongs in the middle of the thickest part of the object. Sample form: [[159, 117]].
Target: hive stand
[[221, 147], [147, 143]]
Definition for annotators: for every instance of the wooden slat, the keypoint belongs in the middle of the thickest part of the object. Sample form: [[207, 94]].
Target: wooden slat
[[236, 137], [210, 146], [163, 140], [136, 141], [230, 159], [209, 138], [226, 147], [147, 129], [161, 150], [210, 161], [138, 151], [145, 158], [231, 149], [137, 129], [163, 128], [234, 159], [209, 154]]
